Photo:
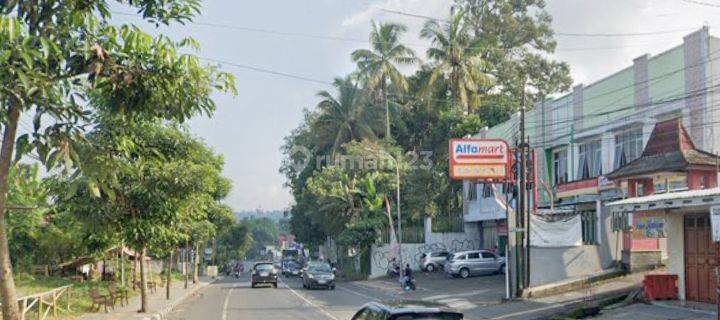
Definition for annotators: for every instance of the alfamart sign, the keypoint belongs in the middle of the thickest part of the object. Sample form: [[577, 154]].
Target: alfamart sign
[[479, 159]]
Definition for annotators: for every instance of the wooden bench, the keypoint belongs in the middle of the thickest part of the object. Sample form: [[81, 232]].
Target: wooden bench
[[43, 270], [118, 293], [99, 299]]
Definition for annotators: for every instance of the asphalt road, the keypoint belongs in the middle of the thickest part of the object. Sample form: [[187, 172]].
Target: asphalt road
[[232, 298]]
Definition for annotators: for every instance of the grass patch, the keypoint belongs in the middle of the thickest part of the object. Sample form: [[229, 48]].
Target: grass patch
[[79, 299]]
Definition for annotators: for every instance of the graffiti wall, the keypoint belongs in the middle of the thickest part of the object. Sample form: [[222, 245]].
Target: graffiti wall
[[412, 252]]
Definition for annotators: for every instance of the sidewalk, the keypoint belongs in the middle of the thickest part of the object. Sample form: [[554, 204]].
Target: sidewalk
[[655, 311], [545, 307], [158, 305]]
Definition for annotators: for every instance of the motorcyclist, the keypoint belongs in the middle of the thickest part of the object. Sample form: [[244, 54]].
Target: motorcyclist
[[407, 280]]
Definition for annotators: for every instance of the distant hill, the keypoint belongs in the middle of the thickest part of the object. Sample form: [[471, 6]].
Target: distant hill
[[274, 215]]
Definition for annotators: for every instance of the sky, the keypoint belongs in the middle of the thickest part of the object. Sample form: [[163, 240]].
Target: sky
[[313, 39]]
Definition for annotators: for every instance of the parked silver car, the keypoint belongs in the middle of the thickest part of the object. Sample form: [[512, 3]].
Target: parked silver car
[[431, 261], [467, 263]]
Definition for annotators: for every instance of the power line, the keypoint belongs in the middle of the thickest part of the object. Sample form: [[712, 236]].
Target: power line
[[566, 34], [357, 40], [701, 3], [268, 71]]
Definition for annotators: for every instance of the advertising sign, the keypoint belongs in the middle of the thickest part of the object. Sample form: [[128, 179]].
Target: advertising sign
[[480, 159], [649, 227]]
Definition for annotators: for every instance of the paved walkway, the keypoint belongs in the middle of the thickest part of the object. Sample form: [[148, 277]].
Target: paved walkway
[[642, 311], [158, 305]]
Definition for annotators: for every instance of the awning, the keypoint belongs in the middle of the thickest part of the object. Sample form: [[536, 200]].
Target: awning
[[669, 200]]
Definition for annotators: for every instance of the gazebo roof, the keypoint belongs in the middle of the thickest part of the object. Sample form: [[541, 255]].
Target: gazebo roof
[[669, 149]]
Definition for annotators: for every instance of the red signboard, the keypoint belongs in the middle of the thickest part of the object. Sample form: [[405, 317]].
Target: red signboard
[[480, 159]]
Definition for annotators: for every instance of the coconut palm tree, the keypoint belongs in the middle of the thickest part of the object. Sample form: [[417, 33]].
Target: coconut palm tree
[[345, 117], [379, 64], [455, 56]]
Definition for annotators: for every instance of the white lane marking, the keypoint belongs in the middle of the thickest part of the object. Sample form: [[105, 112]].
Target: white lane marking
[[225, 304], [358, 293], [323, 311]]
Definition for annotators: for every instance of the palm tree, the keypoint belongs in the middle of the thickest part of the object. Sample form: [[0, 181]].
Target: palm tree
[[379, 64], [456, 57], [344, 118]]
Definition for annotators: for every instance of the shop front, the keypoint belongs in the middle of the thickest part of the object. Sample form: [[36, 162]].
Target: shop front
[[665, 218]]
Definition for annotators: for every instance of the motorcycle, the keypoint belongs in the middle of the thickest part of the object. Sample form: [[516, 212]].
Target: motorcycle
[[408, 284], [393, 270]]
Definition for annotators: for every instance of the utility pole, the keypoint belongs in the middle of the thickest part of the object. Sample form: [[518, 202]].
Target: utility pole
[[522, 196]]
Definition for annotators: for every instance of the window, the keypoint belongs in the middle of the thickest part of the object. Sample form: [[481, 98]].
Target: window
[[628, 147], [488, 255], [620, 221], [487, 191], [589, 227], [589, 160], [560, 174], [473, 255], [472, 191]]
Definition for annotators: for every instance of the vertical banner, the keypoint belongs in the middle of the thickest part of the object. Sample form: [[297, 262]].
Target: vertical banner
[[715, 223]]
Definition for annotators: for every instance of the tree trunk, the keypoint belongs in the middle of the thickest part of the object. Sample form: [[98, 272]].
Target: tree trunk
[[10, 307], [196, 274], [168, 276], [186, 265], [143, 282]]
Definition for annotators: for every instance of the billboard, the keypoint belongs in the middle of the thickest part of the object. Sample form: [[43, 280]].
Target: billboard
[[480, 159]]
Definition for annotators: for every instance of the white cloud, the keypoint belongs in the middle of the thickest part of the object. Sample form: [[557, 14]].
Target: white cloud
[[433, 8]]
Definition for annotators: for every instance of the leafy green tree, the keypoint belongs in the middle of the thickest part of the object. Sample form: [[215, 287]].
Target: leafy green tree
[[516, 37], [264, 233], [57, 54], [154, 170], [379, 64], [456, 59], [346, 117], [235, 242]]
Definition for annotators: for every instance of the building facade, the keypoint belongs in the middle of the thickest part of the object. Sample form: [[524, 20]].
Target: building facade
[[673, 187], [580, 137]]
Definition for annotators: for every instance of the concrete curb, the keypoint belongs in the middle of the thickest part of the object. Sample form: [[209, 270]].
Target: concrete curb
[[161, 314], [560, 287]]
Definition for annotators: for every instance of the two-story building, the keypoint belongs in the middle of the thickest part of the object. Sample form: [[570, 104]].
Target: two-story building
[[671, 188], [580, 137]]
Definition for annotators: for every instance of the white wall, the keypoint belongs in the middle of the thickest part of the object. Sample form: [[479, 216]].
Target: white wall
[[452, 241], [380, 258], [411, 252], [675, 244], [556, 264]]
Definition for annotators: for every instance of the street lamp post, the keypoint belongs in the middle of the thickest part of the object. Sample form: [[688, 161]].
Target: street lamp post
[[397, 183]]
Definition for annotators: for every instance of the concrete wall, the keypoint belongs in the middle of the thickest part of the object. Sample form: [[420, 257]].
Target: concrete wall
[[675, 245], [434, 241], [556, 264], [452, 241], [380, 258]]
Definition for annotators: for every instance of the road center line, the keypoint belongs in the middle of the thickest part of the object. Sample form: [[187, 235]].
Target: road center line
[[323, 311], [225, 304]]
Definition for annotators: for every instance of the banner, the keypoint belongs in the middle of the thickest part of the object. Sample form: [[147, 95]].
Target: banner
[[555, 234], [715, 223]]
